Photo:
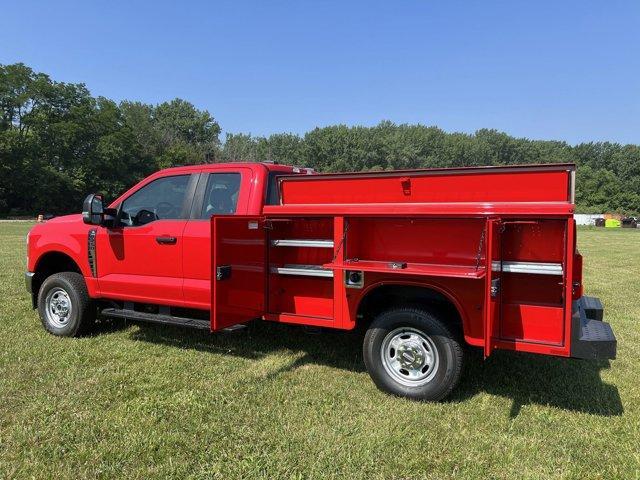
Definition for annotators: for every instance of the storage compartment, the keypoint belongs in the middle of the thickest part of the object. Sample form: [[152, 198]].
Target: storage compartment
[[532, 278], [533, 323], [298, 282], [551, 183], [532, 288], [422, 244], [301, 295]]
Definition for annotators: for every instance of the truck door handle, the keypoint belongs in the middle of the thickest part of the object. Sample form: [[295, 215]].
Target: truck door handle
[[166, 240]]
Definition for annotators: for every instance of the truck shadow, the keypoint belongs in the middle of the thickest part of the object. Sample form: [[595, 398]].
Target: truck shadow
[[332, 348], [526, 379], [529, 379]]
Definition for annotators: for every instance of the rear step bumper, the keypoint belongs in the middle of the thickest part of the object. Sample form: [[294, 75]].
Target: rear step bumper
[[591, 338]]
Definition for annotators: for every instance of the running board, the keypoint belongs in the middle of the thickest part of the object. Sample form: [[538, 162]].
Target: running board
[[157, 318]]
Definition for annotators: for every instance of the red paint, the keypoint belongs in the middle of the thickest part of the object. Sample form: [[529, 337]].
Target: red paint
[[568, 279], [239, 246], [196, 236], [545, 184], [493, 294], [435, 229], [446, 210], [533, 323], [133, 266]]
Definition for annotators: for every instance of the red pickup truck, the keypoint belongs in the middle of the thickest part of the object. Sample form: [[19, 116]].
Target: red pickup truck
[[426, 261]]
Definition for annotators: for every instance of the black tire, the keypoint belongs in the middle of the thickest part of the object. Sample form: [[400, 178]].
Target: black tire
[[81, 315], [418, 332]]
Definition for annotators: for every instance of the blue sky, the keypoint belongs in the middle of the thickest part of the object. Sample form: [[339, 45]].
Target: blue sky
[[566, 70]]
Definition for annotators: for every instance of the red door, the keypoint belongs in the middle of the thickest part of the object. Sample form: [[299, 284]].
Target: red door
[[142, 264], [141, 259], [493, 294], [233, 188], [238, 270]]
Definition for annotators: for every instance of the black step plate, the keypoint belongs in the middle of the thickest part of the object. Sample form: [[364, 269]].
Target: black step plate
[[157, 318]]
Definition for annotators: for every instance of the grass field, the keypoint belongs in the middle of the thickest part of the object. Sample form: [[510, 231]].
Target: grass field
[[273, 401]]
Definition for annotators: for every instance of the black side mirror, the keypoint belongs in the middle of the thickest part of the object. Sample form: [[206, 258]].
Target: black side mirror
[[93, 209]]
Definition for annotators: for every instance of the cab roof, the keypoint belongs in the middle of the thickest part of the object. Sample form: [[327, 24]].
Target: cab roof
[[214, 166]]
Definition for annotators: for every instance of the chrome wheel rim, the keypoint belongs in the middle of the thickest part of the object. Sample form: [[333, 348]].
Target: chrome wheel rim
[[58, 307], [409, 356]]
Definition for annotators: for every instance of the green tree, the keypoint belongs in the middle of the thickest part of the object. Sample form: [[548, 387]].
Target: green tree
[[58, 143]]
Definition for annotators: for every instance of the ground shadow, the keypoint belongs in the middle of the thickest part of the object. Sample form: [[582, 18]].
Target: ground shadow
[[106, 326], [528, 379], [323, 347], [524, 378]]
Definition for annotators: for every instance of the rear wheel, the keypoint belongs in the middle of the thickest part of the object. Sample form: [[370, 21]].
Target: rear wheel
[[64, 305], [411, 352]]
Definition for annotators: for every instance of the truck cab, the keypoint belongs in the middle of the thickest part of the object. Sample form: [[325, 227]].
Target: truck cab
[[172, 260], [155, 249], [425, 261]]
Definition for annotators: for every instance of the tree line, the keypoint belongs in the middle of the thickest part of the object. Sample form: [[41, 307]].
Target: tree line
[[58, 143]]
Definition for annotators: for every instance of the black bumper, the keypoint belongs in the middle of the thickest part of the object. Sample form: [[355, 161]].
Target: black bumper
[[28, 279], [591, 338]]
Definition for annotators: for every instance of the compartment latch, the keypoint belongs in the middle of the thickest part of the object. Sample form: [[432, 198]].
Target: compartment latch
[[495, 287], [223, 272]]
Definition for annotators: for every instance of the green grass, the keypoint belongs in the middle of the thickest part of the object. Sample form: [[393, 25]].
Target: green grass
[[274, 402]]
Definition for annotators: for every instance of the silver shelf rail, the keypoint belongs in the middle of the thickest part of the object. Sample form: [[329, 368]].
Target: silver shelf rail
[[292, 242], [303, 270], [540, 268]]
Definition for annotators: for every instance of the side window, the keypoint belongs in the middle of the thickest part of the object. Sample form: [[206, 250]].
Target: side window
[[221, 194], [161, 199]]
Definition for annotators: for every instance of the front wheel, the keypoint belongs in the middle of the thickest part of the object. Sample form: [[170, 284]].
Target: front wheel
[[411, 352], [64, 305]]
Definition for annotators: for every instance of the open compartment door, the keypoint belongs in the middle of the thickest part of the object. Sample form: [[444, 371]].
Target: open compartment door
[[239, 270], [493, 290]]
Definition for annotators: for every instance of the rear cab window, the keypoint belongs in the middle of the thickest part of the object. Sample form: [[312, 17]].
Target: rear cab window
[[272, 196], [221, 194]]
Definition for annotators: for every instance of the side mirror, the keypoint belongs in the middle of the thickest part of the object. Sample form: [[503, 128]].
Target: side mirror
[[93, 209]]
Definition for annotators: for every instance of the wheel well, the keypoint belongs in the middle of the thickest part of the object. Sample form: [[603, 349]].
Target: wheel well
[[48, 264], [386, 297]]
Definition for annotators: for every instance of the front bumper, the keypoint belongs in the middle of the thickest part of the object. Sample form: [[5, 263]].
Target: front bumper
[[28, 279], [591, 338]]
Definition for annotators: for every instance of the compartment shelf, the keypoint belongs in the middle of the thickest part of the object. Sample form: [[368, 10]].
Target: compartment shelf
[[540, 268], [436, 270], [303, 270], [293, 242]]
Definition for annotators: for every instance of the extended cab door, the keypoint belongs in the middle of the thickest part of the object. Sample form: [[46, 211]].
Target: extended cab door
[[238, 269], [223, 191], [140, 260]]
